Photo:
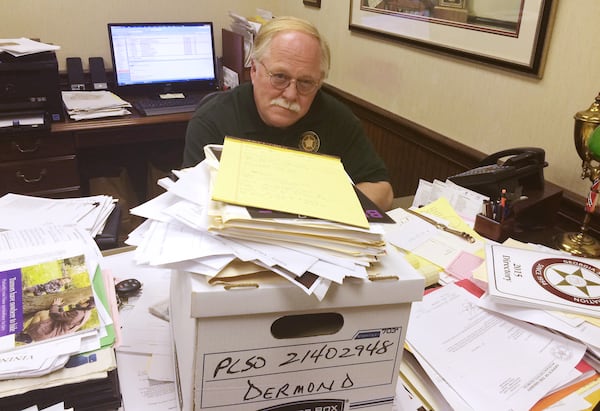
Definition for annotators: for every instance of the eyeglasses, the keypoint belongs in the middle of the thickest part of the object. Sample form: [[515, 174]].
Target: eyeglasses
[[282, 81]]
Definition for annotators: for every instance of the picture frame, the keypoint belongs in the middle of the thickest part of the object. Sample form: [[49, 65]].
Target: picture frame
[[312, 3], [514, 38]]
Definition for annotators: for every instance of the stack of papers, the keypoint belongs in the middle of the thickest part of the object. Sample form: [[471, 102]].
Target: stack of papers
[[553, 290], [23, 120], [449, 252], [88, 213], [24, 46], [482, 360], [54, 303], [466, 203], [248, 29], [527, 337], [220, 214], [270, 227], [82, 105]]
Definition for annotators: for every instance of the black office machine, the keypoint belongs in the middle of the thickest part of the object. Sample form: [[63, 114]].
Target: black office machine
[[29, 88], [516, 170], [518, 174]]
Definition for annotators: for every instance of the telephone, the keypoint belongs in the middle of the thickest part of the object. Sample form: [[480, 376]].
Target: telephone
[[518, 170]]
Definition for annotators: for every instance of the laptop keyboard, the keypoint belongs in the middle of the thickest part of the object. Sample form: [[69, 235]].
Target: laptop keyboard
[[157, 106]]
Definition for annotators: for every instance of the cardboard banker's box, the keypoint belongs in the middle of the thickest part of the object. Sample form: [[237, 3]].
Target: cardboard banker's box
[[273, 347]]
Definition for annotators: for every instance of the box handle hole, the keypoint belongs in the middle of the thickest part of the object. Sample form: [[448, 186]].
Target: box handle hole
[[307, 325]]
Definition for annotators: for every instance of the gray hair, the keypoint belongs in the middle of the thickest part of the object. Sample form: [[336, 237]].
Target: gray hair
[[278, 25]]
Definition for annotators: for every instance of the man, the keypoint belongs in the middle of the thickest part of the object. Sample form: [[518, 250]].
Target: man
[[284, 105]]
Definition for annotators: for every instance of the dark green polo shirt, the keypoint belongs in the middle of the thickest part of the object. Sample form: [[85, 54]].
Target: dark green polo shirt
[[340, 133]]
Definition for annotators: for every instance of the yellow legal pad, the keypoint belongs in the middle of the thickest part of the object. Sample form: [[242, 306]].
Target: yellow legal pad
[[283, 179]]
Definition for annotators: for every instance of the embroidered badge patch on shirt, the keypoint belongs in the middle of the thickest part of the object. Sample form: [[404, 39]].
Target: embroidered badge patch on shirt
[[309, 141]]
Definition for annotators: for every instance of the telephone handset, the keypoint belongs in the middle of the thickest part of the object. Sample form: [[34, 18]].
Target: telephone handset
[[517, 170]]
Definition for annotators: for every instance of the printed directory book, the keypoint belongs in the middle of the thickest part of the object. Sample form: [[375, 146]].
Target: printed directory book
[[544, 280]]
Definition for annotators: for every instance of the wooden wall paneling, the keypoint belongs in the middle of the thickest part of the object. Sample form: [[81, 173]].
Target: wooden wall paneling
[[412, 152]]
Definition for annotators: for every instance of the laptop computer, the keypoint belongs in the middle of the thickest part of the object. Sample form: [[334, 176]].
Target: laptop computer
[[163, 67]]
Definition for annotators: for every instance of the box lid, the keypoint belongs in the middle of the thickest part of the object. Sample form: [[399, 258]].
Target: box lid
[[396, 282]]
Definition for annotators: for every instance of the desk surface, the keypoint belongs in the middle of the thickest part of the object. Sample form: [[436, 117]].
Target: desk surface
[[131, 151], [125, 121]]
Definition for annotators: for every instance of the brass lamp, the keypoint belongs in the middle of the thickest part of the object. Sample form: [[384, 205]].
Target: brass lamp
[[586, 127]]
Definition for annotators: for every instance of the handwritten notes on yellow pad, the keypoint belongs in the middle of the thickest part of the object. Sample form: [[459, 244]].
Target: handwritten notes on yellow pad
[[278, 178]]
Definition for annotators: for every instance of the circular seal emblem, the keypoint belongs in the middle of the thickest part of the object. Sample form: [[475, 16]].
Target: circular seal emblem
[[309, 141], [571, 280]]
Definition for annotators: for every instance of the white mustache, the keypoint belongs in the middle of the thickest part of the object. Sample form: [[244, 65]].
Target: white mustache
[[281, 102]]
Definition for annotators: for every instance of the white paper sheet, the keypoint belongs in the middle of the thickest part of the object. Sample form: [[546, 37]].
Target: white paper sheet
[[492, 362], [138, 390]]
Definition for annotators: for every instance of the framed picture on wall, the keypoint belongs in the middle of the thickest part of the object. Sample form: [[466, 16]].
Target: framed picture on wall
[[512, 34]]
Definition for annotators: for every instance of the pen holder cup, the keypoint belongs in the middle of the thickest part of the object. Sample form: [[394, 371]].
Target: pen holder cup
[[494, 230]]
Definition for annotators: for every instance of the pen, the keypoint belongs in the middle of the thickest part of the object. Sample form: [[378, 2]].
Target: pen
[[444, 227], [499, 212], [503, 209], [488, 210]]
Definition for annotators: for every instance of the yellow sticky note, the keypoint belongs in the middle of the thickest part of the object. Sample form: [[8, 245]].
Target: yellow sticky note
[[278, 178]]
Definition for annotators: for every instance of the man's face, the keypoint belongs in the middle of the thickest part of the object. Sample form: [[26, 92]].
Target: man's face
[[294, 55]]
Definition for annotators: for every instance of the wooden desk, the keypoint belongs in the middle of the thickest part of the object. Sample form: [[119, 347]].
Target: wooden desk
[[137, 144], [60, 162]]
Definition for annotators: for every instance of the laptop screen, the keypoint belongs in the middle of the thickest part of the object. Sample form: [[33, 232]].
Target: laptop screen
[[154, 58]]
